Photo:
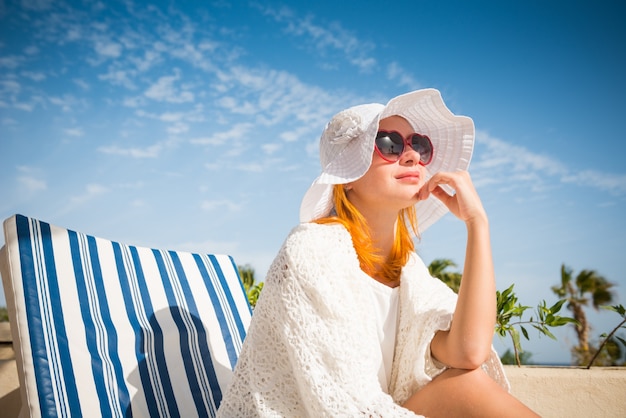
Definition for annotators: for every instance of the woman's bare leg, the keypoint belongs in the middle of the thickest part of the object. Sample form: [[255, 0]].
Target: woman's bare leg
[[466, 393]]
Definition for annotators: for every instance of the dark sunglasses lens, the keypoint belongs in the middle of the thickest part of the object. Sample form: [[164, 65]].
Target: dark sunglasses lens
[[424, 147], [390, 144]]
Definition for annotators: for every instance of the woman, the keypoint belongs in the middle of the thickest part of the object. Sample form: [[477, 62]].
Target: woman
[[349, 322]]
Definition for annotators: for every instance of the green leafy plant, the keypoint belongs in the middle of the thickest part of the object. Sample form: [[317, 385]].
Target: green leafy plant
[[509, 357], [4, 314], [439, 268], [253, 290], [509, 311], [510, 317], [607, 338]]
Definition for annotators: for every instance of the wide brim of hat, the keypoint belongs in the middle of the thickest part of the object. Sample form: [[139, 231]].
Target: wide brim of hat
[[453, 142]]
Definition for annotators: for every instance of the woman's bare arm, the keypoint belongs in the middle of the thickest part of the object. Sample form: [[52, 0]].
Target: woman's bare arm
[[468, 342]]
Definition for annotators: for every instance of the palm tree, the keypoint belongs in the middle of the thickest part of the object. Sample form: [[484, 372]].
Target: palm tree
[[588, 287], [437, 268]]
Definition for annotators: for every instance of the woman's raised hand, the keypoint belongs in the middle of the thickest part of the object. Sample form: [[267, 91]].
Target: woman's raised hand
[[465, 203]]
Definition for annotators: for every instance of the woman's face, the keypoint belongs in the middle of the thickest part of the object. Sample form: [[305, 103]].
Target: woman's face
[[389, 186]]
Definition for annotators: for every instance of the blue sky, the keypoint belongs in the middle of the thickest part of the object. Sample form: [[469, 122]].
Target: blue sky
[[194, 125]]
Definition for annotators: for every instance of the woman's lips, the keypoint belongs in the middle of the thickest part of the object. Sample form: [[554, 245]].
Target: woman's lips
[[410, 176]]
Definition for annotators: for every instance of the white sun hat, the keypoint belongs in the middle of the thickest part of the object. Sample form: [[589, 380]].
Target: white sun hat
[[347, 146]]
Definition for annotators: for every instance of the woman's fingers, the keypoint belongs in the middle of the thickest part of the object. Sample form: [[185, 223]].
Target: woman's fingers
[[464, 203]]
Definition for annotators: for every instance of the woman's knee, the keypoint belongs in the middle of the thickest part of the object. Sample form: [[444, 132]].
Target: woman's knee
[[455, 391]]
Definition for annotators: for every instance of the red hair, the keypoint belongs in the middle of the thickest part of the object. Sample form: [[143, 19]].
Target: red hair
[[370, 259]]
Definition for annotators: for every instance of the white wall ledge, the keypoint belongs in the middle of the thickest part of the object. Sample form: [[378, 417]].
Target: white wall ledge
[[570, 391]]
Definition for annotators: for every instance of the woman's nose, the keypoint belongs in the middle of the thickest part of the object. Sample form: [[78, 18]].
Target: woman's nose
[[409, 156]]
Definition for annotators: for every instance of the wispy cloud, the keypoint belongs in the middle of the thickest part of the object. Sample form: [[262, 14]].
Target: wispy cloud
[[509, 167], [401, 76], [166, 90], [11, 61], [75, 132], [296, 134], [34, 75], [331, 37], [91, 191], [271, 148], [119, 77], [275, 97], [150, 151], [9, 87], [37, 5], [612, 183], [82, 84], [32, 184], [108, 48], [227, 137], [30, 179], [68, 102]]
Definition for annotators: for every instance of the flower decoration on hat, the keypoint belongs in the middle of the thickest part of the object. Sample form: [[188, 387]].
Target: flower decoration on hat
[[344, 127]]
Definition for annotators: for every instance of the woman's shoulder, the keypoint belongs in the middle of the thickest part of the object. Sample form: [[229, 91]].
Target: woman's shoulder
[[314, 232], [319, 239]]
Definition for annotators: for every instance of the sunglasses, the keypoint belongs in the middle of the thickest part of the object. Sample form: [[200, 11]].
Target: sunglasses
[[391, 145]]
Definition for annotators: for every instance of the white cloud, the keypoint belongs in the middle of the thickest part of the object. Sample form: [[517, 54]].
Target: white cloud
[[32, 184], [178, 128], [296, 134], [164, 90], [151, 151], [136, 101], [229, 137], [511, 166], [92, 191], [73, 34], [31, 50], [37, 5], [108, 49], [67, 103], [213, 166], [11, 61], [271, 148], [147, 61], [76, 132], [34, 75], [8, 122], [9, 87], [398, 74], [326, 38], [172, 116], [612, 183], [277, 96], [82, 84], [28, 107], [242, 107], [119, 78]]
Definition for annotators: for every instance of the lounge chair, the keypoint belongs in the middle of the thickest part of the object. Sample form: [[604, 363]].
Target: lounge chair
[[102, 328]]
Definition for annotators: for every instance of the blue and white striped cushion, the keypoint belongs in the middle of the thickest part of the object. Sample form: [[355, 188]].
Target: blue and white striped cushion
[[107, 329]]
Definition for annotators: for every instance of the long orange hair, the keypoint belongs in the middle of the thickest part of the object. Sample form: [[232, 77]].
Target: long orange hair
[[370, 259]]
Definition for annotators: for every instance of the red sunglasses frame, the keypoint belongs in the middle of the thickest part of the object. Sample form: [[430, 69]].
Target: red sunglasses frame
[[406, 141]]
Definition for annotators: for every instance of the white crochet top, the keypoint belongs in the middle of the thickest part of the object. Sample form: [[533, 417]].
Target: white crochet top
[[313, 349], [385, 302]]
